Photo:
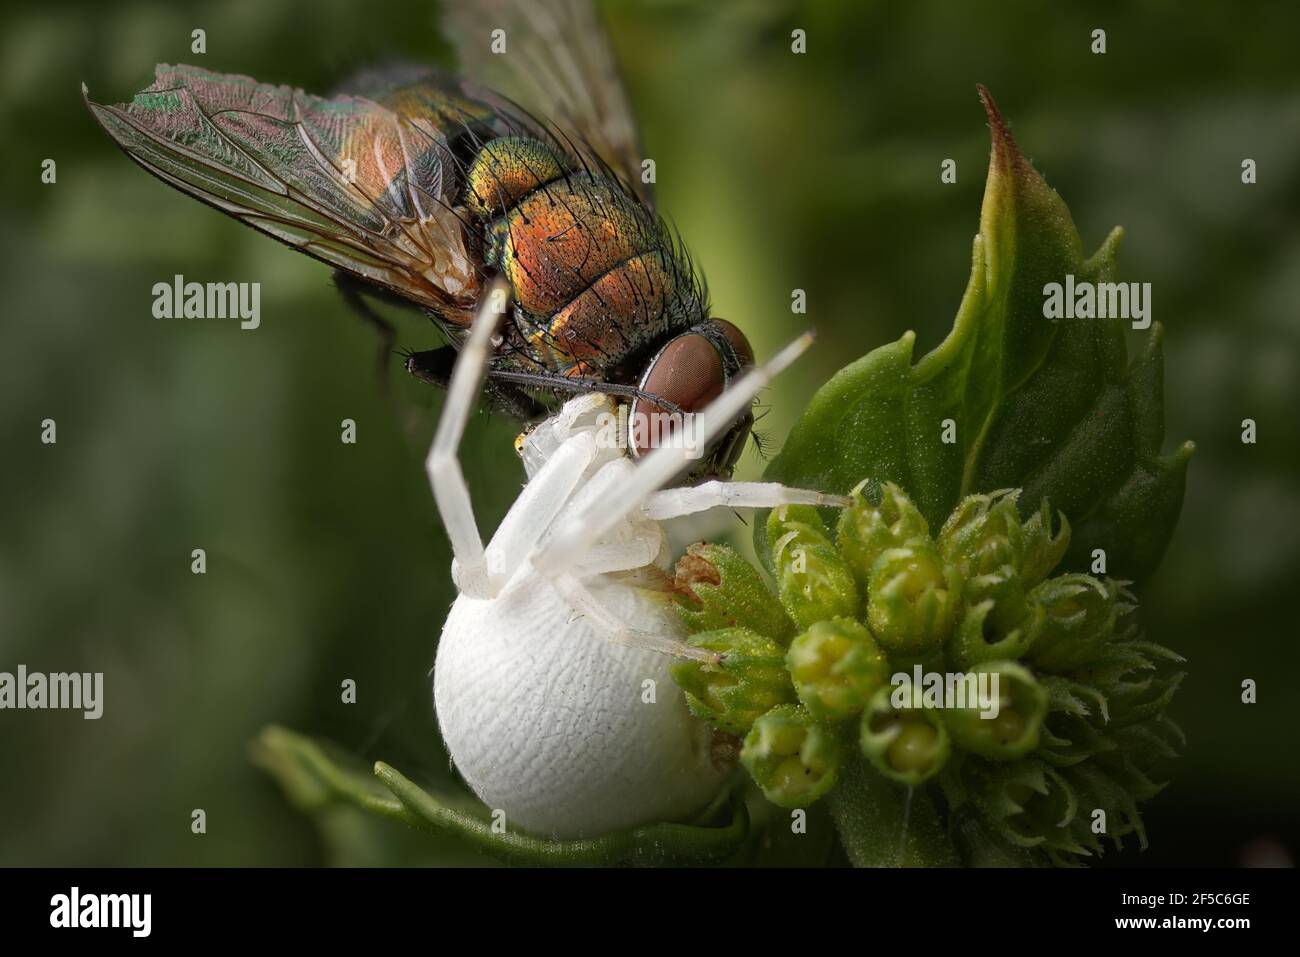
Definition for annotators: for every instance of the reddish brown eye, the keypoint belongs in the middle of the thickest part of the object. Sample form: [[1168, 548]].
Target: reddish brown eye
[[688, 374], [744, 351]]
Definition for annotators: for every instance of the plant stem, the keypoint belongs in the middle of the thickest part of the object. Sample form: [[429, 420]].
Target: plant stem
[[314, 779]]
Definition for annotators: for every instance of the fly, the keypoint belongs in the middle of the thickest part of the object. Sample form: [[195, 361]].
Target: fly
[[418, 187]]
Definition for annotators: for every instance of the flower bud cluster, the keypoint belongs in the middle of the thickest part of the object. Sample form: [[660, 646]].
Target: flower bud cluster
[[821, 668]]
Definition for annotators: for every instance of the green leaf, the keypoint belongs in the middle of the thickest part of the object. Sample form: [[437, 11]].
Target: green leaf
[[883, 824], [314, 779], [1050, 406]]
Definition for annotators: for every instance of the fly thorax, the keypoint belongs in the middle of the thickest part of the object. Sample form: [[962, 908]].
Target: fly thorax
[[506, 170]]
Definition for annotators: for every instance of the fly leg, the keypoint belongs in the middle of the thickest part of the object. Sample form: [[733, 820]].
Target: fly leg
[[433, 367], [355, 294], [555, 382]]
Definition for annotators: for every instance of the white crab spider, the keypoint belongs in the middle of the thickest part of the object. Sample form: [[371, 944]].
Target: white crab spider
[[551, 682]]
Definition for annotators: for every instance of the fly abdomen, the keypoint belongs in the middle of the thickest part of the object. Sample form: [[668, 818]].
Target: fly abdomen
[[563, 236], [633, 303], [594, 273]]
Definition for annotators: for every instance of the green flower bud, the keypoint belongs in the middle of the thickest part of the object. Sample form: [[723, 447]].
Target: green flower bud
[[791, 756], [1042, 551], [1081, 613], [1005, 627], [913, 599], [981, 636], [1010, 725], [812, 578], [719, 589], [903, 740], [1003, 587], [983, 534], [836, 666], [748, 679], [866, 530], [985, 539]]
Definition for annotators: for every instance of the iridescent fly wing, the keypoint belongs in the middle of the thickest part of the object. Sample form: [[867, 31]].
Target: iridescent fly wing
[[365, 188], [557, 63]]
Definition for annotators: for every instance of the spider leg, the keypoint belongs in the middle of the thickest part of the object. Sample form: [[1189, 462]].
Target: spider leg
[[619, 556], [670, 503], [446, 478], [589, 606], [546, 493]]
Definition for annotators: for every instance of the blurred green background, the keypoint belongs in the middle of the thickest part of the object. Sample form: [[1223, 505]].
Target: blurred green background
[[327, 561]]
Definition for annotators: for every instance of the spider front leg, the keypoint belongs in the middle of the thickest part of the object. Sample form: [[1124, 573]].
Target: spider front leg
[[675, 502], [642, 550], [545, 495], [450, 492]]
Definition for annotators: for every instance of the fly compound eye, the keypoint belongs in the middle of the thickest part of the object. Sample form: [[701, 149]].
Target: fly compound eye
[[687, 373], [744, 351]]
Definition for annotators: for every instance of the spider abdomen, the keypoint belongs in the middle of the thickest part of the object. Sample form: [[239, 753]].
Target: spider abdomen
[[567, 732]]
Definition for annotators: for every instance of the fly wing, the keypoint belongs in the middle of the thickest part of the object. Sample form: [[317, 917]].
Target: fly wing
[[365, 188], [557, 63]]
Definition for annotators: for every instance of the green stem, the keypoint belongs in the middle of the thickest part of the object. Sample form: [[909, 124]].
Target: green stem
[[651, 844], [288, 755]]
